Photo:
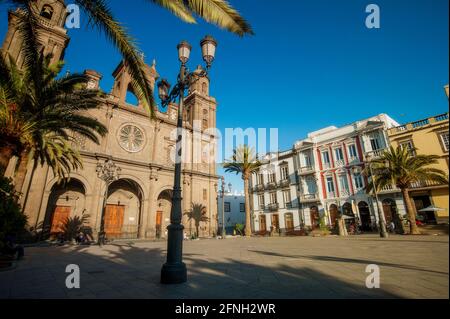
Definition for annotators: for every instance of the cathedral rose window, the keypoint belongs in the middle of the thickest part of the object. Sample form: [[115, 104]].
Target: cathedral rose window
[[131, 138]]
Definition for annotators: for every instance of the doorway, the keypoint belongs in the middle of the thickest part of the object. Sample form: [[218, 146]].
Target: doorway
[[275, 222], [364, 214], [114, 221], [262, 223], [159, 216], [60, 216]]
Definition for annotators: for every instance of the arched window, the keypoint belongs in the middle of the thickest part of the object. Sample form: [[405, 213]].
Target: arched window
[[131, 97], [47, 12], [205, 123], [204, 88]]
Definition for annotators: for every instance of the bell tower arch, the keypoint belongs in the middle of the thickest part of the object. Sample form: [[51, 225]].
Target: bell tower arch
[[51, 16]]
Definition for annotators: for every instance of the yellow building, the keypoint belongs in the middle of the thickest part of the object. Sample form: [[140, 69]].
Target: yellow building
[[427, 136]]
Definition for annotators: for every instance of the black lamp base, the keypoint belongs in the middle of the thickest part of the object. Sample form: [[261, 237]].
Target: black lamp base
[[173, 273]]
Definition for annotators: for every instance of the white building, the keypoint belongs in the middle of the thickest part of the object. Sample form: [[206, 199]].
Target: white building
[[234, 206], [325, 179], [274, 190]]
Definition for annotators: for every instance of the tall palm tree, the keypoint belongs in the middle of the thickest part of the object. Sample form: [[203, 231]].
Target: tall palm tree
[[39, 115], [398, 167], [198, 215], [218, 12], [244, 162]]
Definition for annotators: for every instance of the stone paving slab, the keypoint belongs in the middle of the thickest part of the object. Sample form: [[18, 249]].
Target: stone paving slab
[[292, 267]]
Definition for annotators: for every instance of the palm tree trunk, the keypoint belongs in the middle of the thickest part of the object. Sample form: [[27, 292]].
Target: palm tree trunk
[[21, 173], [196, 229], [6, 153], [414, 230], [248, 226]]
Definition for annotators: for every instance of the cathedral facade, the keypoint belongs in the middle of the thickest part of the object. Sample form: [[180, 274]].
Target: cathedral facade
[[138, 203]]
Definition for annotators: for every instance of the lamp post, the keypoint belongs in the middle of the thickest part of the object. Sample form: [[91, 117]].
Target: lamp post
[[174, 270], [381, 221], [109, 173]]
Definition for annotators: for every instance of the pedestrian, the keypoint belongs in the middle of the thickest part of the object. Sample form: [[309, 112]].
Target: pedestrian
[[392, 227]]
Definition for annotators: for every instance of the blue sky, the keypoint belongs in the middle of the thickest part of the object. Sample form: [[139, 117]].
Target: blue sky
[[311, 63]]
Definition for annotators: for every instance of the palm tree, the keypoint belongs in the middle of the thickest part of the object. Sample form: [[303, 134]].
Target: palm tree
[[39, 115], [198, 215], [218, 12], [397, 166], [244, 162]]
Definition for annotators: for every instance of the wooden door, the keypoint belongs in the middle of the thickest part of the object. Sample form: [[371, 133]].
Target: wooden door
[[114, 220], [289, 221], [60, 215], [159, 216], [262, 223], [275, 221]]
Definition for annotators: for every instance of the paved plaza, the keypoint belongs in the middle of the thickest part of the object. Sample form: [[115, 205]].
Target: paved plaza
[[294, 267]]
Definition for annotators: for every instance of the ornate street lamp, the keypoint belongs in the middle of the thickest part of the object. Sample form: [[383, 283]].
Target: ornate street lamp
[[174, 270], [109, 173]]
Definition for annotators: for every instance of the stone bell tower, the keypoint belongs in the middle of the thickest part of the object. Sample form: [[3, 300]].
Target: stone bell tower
[[51, 15]]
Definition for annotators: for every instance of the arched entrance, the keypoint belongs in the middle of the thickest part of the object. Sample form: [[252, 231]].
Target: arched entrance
[[123, 210], [315, 217], [67, 200], [347, 212], [164, 206], [364, 213], [334, 214]]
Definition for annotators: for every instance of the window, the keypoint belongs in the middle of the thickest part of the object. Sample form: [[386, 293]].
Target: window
[[284, 172], [205, 194], [358, 181], [326, 157], [261, 200], [352, 151], [343, 182], [272, 178], [307, 160], [273, 198], [47, 12], [205, 120], [330, 184], [409, 146], [227, 207], [260, 179], [339, 155], [444, 140], [242, 207], [287, 197], [375, 143]]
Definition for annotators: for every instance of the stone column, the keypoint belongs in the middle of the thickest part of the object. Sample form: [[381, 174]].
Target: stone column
[[150, 209]]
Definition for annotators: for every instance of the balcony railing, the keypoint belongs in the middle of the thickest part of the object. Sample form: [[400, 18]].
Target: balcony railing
[[258, 188], [271, 185], [273, 206], [441, 117], [339, 163], [375, 154], [309, 197], [332, 195], [344, 192], [262, 207], [353, 160], [326, 165], [285, 183], [422, 184], [306, 170], [419, 124]]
